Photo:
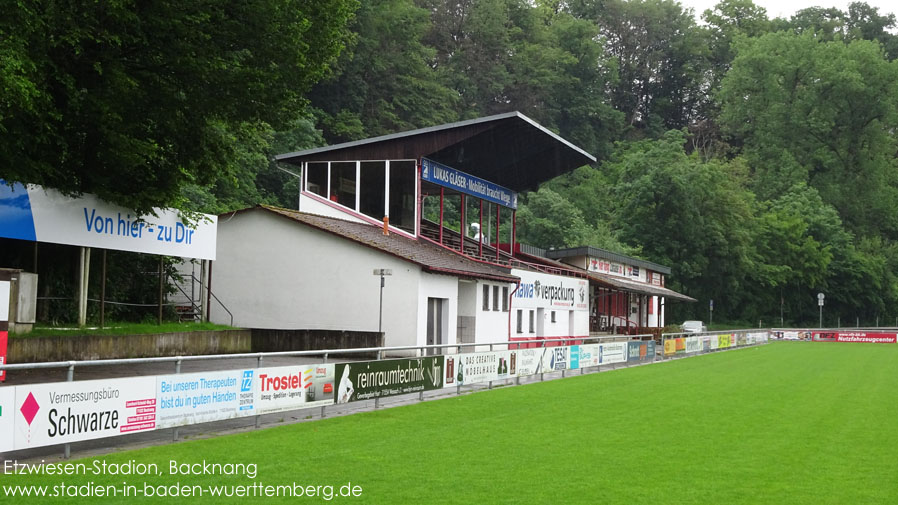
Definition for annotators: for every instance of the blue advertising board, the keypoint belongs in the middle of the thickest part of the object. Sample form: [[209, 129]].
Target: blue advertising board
[[440, 174]]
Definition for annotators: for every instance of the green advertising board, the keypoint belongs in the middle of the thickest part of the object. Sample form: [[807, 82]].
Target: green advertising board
[[368, 380]]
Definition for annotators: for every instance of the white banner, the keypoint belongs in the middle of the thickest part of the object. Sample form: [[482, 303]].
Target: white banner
[[715, 342], [613, 352], [589, 355], [45, 215], [539, 290], [693, 344], [556, 358], [203, 397], [63, 412], [7, 419], [472, 368], [530, 361], [280, 389]]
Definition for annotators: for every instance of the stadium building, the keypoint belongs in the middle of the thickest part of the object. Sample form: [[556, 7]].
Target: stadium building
[[435, 208]]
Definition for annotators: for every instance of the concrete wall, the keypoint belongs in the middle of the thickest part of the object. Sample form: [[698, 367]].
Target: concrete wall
[[275, 273], [266, 340], [68, 348]]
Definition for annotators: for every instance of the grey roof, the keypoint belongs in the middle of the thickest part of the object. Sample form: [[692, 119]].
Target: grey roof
[[596, 252], [430, 257], [639, 287], [508, 149]]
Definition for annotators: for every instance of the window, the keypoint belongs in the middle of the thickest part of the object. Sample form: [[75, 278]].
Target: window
[[496, 298], [486, 297], [343, 183], [372, 188], [520, 321], [505, 299], [402, 194], [531, 322], [316, 178], [553, 316]]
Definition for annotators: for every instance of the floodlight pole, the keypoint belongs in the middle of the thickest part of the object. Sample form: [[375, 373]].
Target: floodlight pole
[[380, 313]]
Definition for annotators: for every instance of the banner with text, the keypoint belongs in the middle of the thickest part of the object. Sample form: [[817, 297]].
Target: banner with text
[[477, 367], [45, 215], [862, 337], [369, 380], [63, 412], [613, 352], [442, 175]]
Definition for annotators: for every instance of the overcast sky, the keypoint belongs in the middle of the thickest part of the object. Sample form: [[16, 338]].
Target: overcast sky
[[785, 8]]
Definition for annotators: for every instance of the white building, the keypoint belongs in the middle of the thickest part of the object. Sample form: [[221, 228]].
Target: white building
[[383, 203]]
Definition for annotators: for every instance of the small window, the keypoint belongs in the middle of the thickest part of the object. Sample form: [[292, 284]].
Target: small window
[[343, 183], [486, 297], [553, 316], [531, 322], [520, 321], [496, 298], [316, 178], [505, 299]]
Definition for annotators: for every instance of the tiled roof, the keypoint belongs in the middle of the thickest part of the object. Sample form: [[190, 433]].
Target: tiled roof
[[430, 257]]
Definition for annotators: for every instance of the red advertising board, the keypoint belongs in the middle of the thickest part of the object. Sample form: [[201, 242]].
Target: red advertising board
[[867, 337], [2, 354]]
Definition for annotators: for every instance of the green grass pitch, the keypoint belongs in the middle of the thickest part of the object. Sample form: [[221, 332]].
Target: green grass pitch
[[781, 423]]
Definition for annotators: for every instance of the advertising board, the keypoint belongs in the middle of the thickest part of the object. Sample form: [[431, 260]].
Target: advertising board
[[472, 368], [369, 380], [63, 412], [203, 397], [280, 389], [862, 337], [613, 352]]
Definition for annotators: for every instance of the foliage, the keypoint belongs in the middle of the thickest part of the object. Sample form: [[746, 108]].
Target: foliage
[[131, 101]]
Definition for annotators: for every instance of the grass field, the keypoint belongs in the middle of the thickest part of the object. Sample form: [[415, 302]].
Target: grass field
[[122, 329], [782, 423]]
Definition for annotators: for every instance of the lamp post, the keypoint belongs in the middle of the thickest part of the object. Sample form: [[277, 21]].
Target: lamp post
[[382, 272], [820, 297]]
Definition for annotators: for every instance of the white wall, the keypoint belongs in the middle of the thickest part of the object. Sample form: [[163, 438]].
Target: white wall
[[313, 206], [491, 325], [275, 273]]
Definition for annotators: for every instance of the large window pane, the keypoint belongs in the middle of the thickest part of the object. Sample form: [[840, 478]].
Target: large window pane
[[372, 187], [343, 183], [402, 195], [316, 178]]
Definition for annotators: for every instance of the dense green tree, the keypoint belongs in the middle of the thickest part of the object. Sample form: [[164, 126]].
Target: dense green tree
[[549, 220], [822, 113], [661, 59], [132, 100], [386, 82]]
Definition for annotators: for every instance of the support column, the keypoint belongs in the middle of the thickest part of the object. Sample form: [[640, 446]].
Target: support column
[[161, 282], [441, 215], [103, 292], [497, 232], [480, 240], [203, 304], [461, 226], [83, 278]]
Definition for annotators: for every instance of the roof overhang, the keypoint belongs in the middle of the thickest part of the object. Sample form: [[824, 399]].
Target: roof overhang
[[508, 149], [638, 287]]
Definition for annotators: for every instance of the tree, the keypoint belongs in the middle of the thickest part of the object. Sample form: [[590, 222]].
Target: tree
[[549, 220], [131, 101], [661, 59], [822, 113], [386, 83]]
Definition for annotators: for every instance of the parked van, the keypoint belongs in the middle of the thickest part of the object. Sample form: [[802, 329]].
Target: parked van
[[694, 327]]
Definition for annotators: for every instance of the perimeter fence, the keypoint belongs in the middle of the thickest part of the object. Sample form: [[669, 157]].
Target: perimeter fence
[[61, 413]]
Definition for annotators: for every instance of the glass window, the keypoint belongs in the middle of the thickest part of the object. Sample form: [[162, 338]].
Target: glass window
[[520, 321], [486, 297], [531, 322], [316, 178], [402, 194], [553, 316], [505, 299], [372, 187], [343, 183], [496, 298]]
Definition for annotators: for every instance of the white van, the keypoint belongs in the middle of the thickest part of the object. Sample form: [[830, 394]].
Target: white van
[[694, 327]]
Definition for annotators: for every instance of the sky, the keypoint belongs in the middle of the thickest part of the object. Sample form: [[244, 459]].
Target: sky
[[785, 8]]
